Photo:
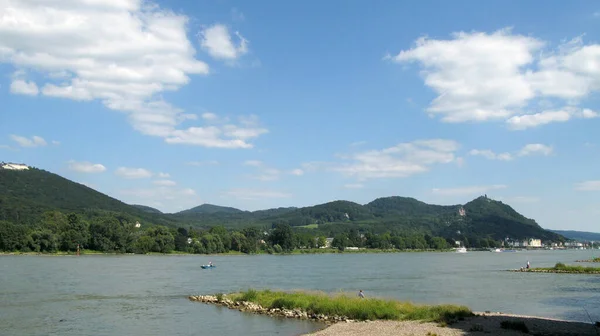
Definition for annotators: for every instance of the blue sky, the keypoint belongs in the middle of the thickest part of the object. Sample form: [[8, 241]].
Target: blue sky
[[174, 104]]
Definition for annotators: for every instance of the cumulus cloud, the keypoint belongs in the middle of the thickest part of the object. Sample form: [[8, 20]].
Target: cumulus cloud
[[219, 44], [527, 150], [588, 186], [402, 160], [122, 53], [165, 183], [467, 191], [253, 194], [34, 141], [163, 175], [264, 172], [86, 167], [496, 76], [133, 173], [297, 172]]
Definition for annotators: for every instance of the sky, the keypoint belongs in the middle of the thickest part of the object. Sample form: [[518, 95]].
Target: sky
[[265, 104]]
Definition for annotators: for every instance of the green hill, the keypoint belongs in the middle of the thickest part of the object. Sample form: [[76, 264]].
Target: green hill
[[26, 195], [579, 235], [210, 209]]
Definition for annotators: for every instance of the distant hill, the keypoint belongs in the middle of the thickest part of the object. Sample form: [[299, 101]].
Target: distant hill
[[578, 235], [146, 208], [26, 194], [210, 209]]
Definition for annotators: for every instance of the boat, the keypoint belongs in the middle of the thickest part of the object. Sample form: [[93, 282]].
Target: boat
[[208, 266], [461, 250]]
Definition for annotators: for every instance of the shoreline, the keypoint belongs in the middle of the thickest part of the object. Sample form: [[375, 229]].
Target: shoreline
[[495, 323], [231, 253]]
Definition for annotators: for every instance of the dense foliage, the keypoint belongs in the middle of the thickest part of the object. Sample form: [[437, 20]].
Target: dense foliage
[[34, 205]]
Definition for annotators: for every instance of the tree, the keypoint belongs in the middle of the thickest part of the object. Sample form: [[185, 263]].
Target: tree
[[283, 236], [321, 241], [340, 241]]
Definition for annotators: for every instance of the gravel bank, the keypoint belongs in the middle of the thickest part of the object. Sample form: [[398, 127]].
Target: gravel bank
[[484, 324]]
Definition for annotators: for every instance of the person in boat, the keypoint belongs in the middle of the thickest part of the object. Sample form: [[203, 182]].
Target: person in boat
[[210, 263], [361, 294]]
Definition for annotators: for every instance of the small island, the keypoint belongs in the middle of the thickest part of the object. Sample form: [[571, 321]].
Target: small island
[[561, 268], [593, 260], [346, 314]]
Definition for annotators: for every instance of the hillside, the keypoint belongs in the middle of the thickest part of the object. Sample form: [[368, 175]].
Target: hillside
[[146, 208], [26, 194], [209, 209], [578, 235]]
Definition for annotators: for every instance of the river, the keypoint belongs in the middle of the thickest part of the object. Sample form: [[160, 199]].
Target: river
[[147, 295]]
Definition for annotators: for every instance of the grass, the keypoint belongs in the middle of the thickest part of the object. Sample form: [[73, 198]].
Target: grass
[[309, 226], [560, 267], [353, 307]]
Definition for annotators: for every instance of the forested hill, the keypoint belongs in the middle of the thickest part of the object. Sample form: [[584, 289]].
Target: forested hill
[[579, 235], [25, 195]]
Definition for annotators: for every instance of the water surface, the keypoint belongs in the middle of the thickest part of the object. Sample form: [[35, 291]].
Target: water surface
[[147, 295]]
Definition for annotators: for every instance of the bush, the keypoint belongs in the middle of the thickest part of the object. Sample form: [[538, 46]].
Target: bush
[[219, 297]]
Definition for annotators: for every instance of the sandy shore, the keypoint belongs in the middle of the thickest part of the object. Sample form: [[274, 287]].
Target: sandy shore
[[482, 324]]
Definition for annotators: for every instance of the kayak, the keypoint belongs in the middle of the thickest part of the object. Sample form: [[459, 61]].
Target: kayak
[[208, 266]]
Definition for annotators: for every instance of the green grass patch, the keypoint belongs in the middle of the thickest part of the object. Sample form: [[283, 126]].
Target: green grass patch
[[309, 226], [351, 306], [560, 267]]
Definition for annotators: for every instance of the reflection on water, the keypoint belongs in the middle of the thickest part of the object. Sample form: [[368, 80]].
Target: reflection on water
[[147, 295]]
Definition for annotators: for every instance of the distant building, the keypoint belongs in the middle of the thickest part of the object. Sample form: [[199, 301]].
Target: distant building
[[328, 242], [535, 242], [462, 212], [137, 224], [13, 166]]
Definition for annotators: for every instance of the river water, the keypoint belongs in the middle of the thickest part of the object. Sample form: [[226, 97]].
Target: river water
[[147, 295]]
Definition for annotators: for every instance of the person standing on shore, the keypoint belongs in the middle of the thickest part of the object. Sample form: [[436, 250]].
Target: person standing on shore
[[527, 263], [361, 294]]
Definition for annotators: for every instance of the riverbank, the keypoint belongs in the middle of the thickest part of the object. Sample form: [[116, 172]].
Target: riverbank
[[230, 253], [353, 316], [594, 260], [561, 268], [480, 324]]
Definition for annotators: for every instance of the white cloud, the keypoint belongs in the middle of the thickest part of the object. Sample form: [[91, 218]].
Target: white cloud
[[209, 116], [466, 191], [250, 194], [133, 173], [546, 117], [35, 141], [532, 149], [55, 142], [165, 183], [122, 53], [19, 86], [490, 155], [297, 172], [217, 41], [86, 167], [479, 76], [163, 175], [527, 150], [353, 186], [203, 163], [402, 160], [588, 186]]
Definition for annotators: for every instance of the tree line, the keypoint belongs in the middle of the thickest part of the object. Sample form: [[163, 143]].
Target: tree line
[[117, 233]]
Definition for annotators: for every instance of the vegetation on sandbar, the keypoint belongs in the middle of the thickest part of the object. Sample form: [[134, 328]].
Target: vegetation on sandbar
[[353, 307], [593, 260], [562, 268]]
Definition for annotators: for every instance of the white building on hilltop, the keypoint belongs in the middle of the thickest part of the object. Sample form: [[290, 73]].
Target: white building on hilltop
[[13, 166]]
